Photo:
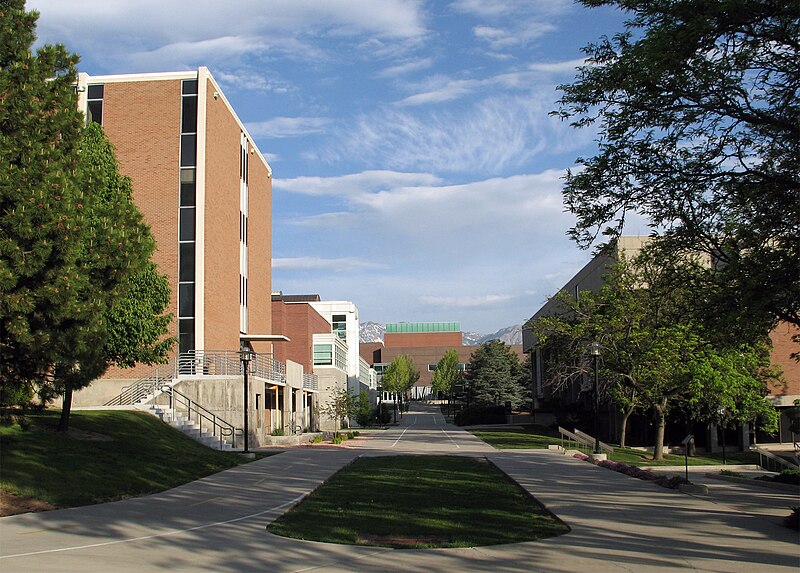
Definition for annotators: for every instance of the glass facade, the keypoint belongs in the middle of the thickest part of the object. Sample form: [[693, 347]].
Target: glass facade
[[187, 216], [415, 327]]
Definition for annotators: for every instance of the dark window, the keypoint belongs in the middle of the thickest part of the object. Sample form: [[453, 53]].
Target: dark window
[[186, 224], [186, 272], [189, 116], [95, 91], [186, 300], [189, 87], [95, 111], [186, 335], [187, 188], [188, 150]]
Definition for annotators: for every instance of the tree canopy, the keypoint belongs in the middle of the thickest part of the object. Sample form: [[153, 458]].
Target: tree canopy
[[495, 375], [696, 105], [41, 204], [654, 356], [447, 373], [400, 375]]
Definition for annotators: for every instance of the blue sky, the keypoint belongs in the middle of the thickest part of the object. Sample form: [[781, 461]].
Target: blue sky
[[416, 170]]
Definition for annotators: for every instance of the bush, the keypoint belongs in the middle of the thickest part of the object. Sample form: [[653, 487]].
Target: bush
[[364, 409], [278, 432], [316, 440], [792, 521], [669, 482], [386, 413], [792, 477], [337, 439], [481, 415]]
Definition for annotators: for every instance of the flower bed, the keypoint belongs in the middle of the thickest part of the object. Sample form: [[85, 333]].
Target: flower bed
[[669, 482]]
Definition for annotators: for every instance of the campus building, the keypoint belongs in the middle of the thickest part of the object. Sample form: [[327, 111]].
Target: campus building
[[425, 343], [590, 278], [205, 189], [325, 340]]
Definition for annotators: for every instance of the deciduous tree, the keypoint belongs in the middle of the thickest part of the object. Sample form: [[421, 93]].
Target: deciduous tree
[[696, 104]]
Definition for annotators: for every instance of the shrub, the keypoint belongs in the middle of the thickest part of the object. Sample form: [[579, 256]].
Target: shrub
[[792, 520], [316, 439], [364, 409], [481, 415], [792, 477], [338, 439], [278, 432]]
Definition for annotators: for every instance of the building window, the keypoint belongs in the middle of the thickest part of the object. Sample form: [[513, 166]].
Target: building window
[[94, 103], [187, 217], [244, 200], [323, 355], [339, 325]]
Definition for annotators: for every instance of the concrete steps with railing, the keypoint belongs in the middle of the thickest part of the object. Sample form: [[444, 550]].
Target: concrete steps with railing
[[182, 423]]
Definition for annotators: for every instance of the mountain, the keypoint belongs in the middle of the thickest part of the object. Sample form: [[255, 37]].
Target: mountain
[[371, 332]]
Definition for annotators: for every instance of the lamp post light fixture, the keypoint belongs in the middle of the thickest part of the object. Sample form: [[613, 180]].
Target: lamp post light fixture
[[594, 350], [246, 356]]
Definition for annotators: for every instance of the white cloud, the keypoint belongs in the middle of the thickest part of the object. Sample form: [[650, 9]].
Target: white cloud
[[162, 34], [465, 301], [319, 263], [407, 67], [251, 81], [288, 126], [355, 183], [491, 136]]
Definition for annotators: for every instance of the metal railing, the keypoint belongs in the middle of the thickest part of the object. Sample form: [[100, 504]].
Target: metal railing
[[603, 446], [144, 387], [225, 431], [228, 363], [581, 444], [771, 462]]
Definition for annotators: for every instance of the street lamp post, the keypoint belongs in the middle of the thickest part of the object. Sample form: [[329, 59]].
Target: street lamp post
[[594, 350], [245, 355]]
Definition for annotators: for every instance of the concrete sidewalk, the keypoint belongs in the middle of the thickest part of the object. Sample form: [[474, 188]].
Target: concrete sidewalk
[[618, 523]]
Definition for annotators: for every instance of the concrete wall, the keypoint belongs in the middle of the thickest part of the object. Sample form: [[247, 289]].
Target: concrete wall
[[329, 380]]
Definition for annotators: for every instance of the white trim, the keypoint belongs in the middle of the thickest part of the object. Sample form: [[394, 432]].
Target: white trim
[[200, 213], [147, 77]]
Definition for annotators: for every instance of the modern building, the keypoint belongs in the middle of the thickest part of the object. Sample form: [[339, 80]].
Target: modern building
[[325, 340], [590, 278], [205, 189]]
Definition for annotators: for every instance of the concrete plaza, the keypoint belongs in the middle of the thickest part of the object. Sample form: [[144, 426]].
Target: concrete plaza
[[617, 523]]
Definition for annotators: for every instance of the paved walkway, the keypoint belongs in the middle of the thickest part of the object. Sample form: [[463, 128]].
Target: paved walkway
[[218, 523]]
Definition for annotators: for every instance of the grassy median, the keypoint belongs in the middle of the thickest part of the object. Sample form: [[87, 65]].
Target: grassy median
[[419, 501], [106, 455]]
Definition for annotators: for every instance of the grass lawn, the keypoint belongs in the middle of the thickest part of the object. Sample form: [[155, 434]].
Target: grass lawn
[[419, 501], [534, 436], [107, 455]]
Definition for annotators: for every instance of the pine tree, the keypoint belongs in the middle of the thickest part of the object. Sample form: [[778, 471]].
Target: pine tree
[[495, 375], [40, 203]]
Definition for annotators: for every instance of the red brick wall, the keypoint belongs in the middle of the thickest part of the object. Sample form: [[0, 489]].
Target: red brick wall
[[260, 246], [299, 322], [782, 349], [142, 120], [419, 339], [221, 227]]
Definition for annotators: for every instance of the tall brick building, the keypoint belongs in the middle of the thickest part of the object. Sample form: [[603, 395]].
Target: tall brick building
[[206, 191]]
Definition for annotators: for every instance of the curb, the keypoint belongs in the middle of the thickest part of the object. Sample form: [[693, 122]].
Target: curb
[[758, 483]]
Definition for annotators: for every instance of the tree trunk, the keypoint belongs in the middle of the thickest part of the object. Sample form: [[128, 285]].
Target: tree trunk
[[623, 428], [658, 448], [63, 423]]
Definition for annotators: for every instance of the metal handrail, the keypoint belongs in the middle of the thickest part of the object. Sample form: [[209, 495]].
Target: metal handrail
[[144, 387], [781, 462], [571, 437], [603, 446], [219, 427]]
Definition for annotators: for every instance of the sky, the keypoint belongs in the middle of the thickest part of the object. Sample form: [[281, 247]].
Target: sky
[[416, 169]]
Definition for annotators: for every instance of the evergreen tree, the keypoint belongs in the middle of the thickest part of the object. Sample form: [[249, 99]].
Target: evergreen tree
[[41, 205], [495, 375]]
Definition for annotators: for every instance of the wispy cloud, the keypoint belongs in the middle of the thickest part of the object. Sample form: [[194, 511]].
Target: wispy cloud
[[319, 263], [355, 183], [406, 67], [465, 301], [288, 126]]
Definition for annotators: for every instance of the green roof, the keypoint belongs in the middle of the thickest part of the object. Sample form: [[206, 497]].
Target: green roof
[[413, 327]]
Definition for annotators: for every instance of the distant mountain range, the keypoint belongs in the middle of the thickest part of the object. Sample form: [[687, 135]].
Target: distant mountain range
[[373, 332]]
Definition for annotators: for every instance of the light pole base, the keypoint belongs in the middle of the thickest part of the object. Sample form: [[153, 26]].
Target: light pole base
[[598, 457]]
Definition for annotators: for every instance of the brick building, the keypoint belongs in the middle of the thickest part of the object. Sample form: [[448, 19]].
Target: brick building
[[205, 189]]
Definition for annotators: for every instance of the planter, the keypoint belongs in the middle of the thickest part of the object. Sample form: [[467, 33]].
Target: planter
[[693, 488]]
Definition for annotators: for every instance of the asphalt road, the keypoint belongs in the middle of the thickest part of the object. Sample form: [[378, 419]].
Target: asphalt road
[[218, 523]]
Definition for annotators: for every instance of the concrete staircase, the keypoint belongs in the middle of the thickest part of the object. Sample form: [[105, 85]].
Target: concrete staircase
[[181, 422]]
